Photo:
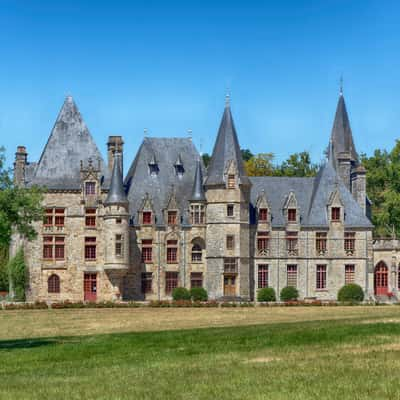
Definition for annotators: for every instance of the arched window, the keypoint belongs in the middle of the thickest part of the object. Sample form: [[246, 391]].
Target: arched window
[[197, 253], [53, 284]]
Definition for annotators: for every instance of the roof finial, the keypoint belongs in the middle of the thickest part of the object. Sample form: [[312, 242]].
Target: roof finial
[[189, 132], [145, 132], [341, 85], [227, 98]]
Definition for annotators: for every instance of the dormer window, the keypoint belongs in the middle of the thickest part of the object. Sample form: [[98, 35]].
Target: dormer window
[[179, 170], [153, 169], [90, 188], [263, 215], [146, 217], [292, 215], [335, 214], [231, 181], [172, 217]]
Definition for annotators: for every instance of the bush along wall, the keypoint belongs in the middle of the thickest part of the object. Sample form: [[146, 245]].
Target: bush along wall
[[351, 293]]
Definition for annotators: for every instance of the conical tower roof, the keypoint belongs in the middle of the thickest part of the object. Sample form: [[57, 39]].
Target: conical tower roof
[[198, 189], [116, 194]]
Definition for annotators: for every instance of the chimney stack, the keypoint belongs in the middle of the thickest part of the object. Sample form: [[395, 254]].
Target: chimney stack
[[115, 144], [21, 158]]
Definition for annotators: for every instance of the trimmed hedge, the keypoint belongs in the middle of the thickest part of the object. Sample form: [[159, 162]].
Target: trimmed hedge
[[351, 293], [180, 293], [266, 294], [198, 294], [289, 293]]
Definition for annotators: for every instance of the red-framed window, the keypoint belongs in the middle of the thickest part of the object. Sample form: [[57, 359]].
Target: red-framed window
[[54, 217], [230, 242], [263, 214], [262, 276], [229, 210], [196, 279], [54, 247], [59, 218], [262, 242], [147, 282], [197, 253], [172, 251], [90, 188], [349, 274], [335, 213], [90, 217], [197, 214], [147, 250], [59, 248], [321, 277], [291, 241], [231, 181], [90, 248], [53, 284], [172, 217], [147, 216], [292, 215], [349, 241], [48, 247], [171, 281], [320, 242], [48, 217], [292, 275]]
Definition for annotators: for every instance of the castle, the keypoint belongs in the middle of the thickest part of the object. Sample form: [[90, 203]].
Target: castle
[[171, 222]]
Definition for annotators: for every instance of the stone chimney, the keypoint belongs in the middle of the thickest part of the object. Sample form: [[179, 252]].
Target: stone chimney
[[21, 158], [359, 186], [344, 168], [115, 144]]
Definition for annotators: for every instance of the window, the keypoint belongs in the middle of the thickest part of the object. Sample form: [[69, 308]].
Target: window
[[197, 214], [53, 248], [171, 281], [179, 170], [119, 245], [90, 248], [147, 250], [262, 243], [53, 284], [90, 217], [230, 265], [292, 215], [320, 242], [263, 214], [197, 253], [172, 217], [262, 276], [349, 274], [147, 280], [48, 218], [153, 169], [230, 242], [231, 181], [321, 277], [335, 214], [59, 217], [229, 210], [90, 188], [292, 275], [54, 216], [349, 242], [172, 251], [196, 279], [291, 243], [146, 217], [118, 220]]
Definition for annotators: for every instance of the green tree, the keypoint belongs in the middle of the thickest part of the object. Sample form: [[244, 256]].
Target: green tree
[[206, 159], [298, 164], [260, 165], [3, 268], [246, 154], [17, 273]]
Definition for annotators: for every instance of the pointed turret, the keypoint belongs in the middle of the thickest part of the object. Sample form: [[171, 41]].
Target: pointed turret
[[226, 150], [198, 189], [117, 194]]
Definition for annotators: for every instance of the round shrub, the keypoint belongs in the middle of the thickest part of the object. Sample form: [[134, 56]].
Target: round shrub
[[198, 294], [181, 293], [266, 294], [289, 293], [351, 292]]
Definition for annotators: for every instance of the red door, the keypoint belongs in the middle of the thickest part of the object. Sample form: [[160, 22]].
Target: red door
[[90, 287], [381, 279]]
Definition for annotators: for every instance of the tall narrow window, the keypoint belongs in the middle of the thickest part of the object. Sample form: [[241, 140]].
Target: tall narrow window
[[320, 242], [197, 214], [147, 280], [90, 188], [90, 248], [321, 277], [172, 251], [197, 253], [146, 217], [263, 215], [292, 275], [172, 217], [262, 243], [171, 281], [59, 248], [147, 250], [53, 284], [335, 213], [48, 218], [349, 242], [119, 245], [196, 279], [229, 210], [262, 276], [292, 243], [48, 247], [231, 181], [90, 217], [59, 217], [230, 242], [349, 274], [292, 215]]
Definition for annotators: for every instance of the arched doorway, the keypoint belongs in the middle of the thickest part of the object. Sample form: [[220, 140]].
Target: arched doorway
[[381, 276]]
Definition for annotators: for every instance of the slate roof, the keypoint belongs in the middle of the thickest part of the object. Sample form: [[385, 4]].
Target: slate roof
[[226, 148], [165, 151], [341, 136], [198, 187], [116, 194], [70, 142]]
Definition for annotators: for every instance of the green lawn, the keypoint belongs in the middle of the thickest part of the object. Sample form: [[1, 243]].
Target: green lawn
[[356, 358]]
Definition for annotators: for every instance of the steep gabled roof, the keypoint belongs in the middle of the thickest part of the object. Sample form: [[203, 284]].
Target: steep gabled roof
[[198, 188], [139, 181], [116, 194], [70, 142], [226, 149], [341, 136]]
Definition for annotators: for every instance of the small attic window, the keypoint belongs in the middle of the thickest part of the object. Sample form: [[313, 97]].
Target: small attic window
[[179, 170], [335, 213], [90, 188], [292, 215], [153, 169]]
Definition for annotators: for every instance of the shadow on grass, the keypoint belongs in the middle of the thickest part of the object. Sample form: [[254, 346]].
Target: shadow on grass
[[25, 343]]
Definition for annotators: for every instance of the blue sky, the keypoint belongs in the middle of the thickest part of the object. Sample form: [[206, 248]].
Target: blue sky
[[166, 66]]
